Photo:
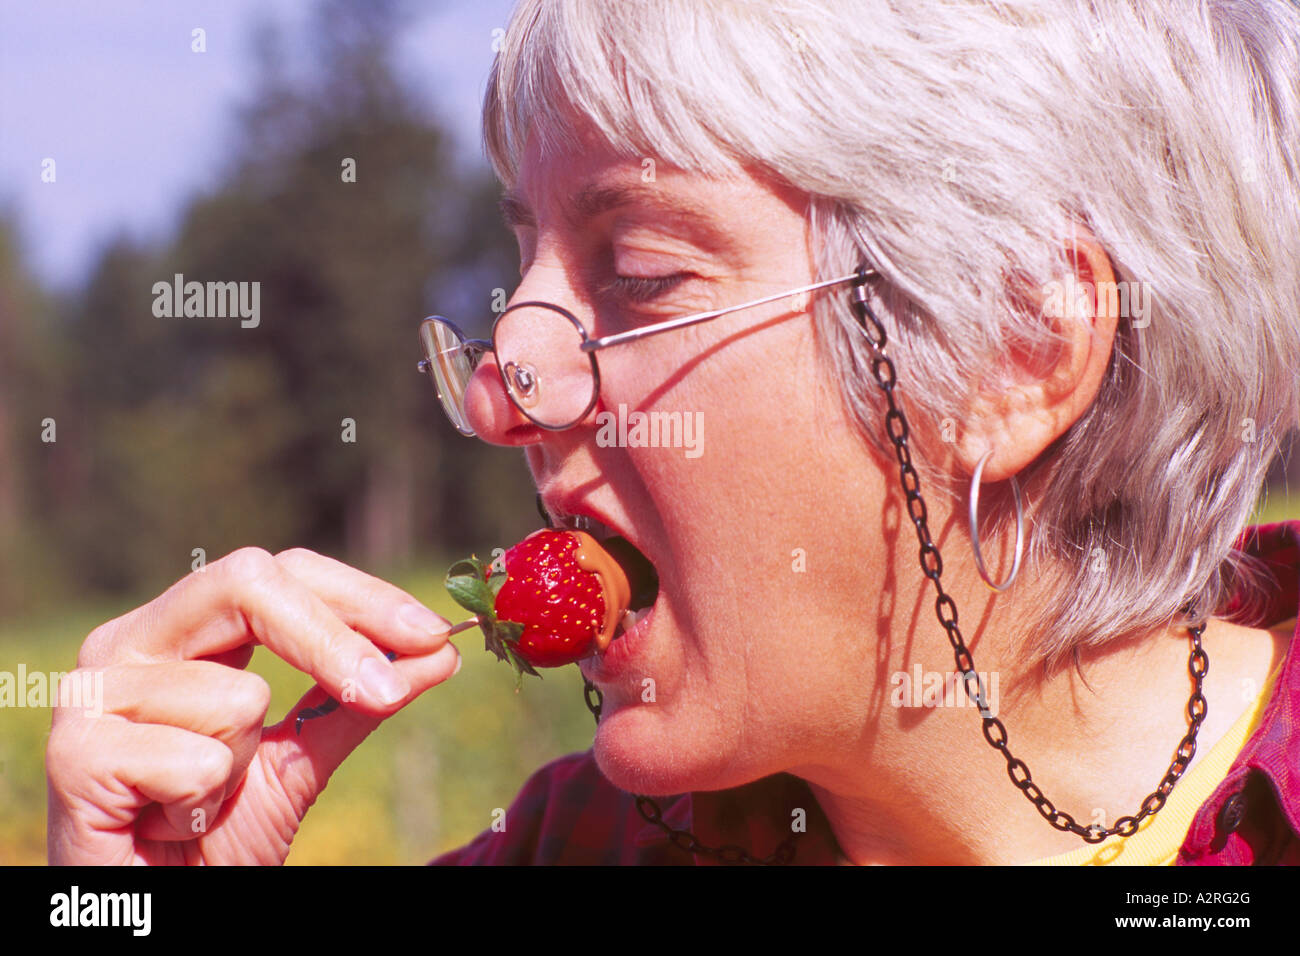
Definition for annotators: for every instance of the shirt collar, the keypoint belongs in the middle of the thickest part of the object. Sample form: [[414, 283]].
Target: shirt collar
[[757, 817], [1272, 748]]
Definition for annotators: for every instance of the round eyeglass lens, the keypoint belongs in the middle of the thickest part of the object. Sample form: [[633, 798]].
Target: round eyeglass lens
[[450, 366], [549, 377]]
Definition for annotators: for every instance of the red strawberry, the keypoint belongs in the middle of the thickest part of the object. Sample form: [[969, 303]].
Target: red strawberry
[[559, 599], [560, 605]]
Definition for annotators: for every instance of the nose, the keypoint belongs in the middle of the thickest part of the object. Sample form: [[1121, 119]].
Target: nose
[[491, 413]]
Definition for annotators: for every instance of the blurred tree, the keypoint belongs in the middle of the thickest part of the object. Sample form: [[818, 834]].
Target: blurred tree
[[30, 418], [341, 200]]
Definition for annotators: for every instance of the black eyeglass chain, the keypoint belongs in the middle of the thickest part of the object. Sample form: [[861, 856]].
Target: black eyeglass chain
[[1198, 664]]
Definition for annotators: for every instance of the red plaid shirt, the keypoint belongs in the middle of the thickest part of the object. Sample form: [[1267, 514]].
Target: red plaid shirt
[[568, 813]]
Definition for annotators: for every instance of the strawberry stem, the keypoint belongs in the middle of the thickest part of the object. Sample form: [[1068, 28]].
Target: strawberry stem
[[474, 588]]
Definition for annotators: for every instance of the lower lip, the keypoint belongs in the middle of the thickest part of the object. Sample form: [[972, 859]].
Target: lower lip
[[621, 653]]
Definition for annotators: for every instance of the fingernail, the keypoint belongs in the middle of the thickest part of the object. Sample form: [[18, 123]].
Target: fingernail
[[381, 682], [421, 620]]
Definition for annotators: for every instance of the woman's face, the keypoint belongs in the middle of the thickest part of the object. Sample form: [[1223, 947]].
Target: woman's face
[[766, 531]]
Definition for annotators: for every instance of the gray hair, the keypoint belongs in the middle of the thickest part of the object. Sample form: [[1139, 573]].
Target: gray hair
[[952, 145]]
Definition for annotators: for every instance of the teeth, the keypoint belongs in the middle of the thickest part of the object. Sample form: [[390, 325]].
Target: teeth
[[632, 618], [595, 528]]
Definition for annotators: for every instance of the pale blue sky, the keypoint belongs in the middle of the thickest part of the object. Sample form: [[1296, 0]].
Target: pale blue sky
[[136, 122]]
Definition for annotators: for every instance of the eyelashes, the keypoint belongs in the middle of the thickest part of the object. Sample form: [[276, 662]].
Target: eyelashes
[[642, 288], [632, 290]]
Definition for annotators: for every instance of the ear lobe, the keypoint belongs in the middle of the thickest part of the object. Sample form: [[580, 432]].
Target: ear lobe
[[1042, 391]]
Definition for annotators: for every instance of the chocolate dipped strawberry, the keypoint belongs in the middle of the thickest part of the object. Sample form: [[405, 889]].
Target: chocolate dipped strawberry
[[559, 599]]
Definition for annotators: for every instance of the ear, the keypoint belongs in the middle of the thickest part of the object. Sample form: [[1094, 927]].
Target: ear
[[1036, 397]]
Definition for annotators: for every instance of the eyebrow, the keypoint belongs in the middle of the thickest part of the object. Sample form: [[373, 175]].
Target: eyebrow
[[594, 199]]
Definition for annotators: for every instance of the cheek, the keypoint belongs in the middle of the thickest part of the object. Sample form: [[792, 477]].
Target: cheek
[[770, 501], [748, 516]]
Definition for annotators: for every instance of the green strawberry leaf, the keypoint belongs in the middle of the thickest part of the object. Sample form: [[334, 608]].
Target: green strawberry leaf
[[502, 639], [471, 594], [510, 631], [465, 582], [474, 587], [492, 640], [471, 565], [495, 648], [521, 667]]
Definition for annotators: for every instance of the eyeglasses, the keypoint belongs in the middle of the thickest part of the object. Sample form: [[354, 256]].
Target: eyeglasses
[[546, 358]]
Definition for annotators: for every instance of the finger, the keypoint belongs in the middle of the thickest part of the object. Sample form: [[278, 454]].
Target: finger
[[424, 672], [103, 772], [237, 658], [429, 670], [248, 596], [372, 606], [201, 697], [305, 762]]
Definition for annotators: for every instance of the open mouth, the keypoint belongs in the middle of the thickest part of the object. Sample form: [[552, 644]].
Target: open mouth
[[642, 577]]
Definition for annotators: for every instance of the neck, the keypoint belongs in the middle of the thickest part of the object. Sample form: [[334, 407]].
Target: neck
[[933, 791]]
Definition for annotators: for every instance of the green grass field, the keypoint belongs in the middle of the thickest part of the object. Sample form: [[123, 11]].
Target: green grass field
[[1277, 508], [426, 781]]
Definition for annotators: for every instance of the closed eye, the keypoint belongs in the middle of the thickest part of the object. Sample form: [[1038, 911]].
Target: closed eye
[[642, 288]]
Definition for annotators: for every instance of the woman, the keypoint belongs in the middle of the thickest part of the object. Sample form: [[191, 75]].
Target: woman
[[1029, 256]]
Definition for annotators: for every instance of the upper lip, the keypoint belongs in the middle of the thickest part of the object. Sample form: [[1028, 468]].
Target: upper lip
[[560, 505]]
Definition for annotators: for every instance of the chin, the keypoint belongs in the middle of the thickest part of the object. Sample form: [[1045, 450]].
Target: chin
[[641, 750]]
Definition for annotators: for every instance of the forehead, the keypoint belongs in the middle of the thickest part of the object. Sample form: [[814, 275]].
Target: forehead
[[574, 188]]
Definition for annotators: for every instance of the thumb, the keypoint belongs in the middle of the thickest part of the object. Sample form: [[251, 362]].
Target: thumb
[[306, 758]]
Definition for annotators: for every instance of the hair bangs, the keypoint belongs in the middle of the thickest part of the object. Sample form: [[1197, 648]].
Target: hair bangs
[[629, 75]]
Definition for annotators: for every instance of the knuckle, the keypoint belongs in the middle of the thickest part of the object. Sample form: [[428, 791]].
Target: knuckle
[[211, 765], [248, 565], [66, 756], [104, 643], [94, 648], [65, 693], [341, 650], [293, 557], [56, 749], [251, 696]]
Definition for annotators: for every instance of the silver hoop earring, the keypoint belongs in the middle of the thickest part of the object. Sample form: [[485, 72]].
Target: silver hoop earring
[[974, 526]]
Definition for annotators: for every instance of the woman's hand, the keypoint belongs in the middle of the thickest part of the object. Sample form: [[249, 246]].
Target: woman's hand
[[179, 768]]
